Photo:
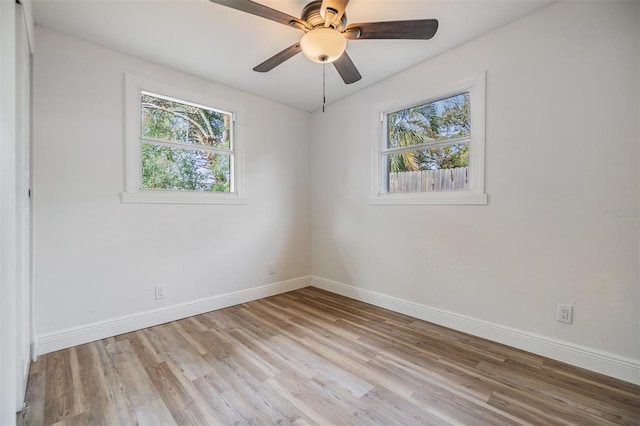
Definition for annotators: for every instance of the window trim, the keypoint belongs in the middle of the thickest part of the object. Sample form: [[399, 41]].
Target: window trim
[[133, 191], [476, 86]]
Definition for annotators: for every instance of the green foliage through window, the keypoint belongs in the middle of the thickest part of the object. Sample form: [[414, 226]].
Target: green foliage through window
[[411, 130], [184, 146]]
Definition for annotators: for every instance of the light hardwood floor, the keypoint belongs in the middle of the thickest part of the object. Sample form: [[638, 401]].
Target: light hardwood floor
[[313, 357]]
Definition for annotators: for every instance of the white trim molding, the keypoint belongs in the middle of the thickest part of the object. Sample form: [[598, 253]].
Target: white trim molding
[[613, 365], [591, 359], [61, 339]]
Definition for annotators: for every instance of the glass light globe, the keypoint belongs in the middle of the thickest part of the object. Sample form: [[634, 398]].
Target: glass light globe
[[323, 44]]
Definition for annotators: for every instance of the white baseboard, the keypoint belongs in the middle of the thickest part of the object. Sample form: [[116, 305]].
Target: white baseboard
[[602, 362], [73, 336], [626, 369]]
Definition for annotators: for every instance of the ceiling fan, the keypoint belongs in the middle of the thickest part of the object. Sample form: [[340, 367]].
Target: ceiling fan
[[324, 23]]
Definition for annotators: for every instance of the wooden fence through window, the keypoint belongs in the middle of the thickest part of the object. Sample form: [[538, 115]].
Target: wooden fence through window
[[430, 180]]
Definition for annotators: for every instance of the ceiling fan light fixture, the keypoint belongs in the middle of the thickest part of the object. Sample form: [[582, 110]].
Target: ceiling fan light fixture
[[323, 44]]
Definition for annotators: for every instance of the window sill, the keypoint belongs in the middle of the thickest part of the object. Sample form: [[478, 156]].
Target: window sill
[[176, 197], [435, 198]]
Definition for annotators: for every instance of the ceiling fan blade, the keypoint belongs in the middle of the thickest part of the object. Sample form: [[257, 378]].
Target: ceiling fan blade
[[338, 5], [278, 58], [347, 69], [421, 29], [260, 10]]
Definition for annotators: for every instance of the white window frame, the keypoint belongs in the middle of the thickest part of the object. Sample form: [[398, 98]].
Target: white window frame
[[475, 85], [134, 193]]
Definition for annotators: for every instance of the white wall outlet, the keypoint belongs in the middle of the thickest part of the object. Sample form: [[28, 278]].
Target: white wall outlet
[[161, 291], [564, 313], [271, 267]]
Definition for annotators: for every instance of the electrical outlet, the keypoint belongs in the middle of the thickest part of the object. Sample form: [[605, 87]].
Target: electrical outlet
[[271, 268], [161, 291], [564, 313]]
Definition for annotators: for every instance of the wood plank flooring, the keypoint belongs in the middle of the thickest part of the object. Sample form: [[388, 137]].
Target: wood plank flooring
[[310, 357]]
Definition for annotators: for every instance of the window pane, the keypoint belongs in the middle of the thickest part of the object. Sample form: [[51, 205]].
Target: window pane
[[440, 157], [441, 120], [443, 168], [180, 122], [166, 167]]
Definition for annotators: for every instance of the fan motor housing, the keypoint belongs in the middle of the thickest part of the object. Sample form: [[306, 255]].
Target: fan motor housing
[[311, 14]]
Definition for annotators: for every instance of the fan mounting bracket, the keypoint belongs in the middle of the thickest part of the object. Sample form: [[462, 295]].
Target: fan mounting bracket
[[299, 25], [352, 33]]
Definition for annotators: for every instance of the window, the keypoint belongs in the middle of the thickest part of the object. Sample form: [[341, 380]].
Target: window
[[180, 149], [432, 151]]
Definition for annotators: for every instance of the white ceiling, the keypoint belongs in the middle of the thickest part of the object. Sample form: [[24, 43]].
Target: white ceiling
[[223, 44]]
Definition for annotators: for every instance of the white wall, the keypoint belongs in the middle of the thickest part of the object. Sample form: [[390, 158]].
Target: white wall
[[562, 139], [97, 259]]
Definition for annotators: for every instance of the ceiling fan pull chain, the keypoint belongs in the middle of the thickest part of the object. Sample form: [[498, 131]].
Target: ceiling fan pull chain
[[324, 86]]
